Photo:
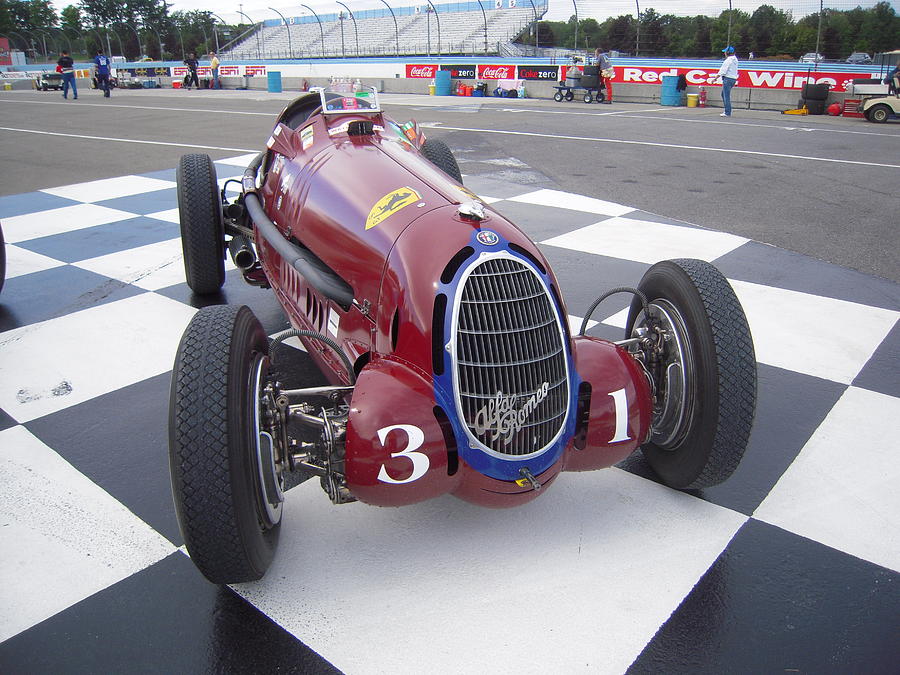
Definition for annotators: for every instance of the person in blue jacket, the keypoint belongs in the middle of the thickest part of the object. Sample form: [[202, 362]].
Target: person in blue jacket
[[101, 66]]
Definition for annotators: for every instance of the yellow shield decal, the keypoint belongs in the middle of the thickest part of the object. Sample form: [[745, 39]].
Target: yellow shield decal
[[391, 203]]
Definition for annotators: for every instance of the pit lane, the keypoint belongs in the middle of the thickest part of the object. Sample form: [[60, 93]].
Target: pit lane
[[821, 186]]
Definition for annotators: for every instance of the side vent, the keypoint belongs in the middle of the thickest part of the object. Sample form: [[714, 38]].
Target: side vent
[[395, 330], [449, 440], [526, 253], [454, 264], [437, 334]]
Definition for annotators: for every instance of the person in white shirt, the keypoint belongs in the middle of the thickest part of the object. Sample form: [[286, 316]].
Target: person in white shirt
[[729, 74]]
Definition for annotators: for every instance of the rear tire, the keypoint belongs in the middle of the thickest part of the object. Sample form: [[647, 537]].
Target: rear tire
[[202, 227], [588, 98], [438, 153], [706, 395], [228, 508], [558, 97]]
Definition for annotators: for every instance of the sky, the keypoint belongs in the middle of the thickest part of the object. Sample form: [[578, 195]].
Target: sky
[[559, 10]]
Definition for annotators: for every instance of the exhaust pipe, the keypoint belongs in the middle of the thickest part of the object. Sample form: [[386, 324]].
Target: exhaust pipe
[[242, 252]]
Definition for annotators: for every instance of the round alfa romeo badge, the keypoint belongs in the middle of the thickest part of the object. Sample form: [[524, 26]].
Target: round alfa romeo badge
[[487, 237]]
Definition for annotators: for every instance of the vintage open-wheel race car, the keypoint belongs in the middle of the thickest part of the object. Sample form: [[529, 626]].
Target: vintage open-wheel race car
[[443, 333]]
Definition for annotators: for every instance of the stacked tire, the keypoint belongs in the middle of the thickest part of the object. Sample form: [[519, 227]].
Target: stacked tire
[[814, 97]]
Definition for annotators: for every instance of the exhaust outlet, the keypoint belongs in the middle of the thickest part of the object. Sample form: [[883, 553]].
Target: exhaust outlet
[[242, 252]]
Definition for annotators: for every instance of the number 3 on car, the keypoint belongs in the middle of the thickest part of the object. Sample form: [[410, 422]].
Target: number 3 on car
[[420, 462]]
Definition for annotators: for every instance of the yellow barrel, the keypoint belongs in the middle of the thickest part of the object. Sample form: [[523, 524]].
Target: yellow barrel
[[692, 100], [431, 90]]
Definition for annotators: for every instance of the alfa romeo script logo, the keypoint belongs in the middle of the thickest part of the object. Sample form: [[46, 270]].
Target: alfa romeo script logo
[[500, 416]]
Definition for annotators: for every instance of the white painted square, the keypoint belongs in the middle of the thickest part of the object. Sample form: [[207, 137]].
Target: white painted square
[[110, 188], [243, 161], [570, 200], [646, 241], [57, 221], [457, 588], [811, 334], [169, 216], [842, 488], [54, 364], [64, 538], [20, 261], [575, 324], [149, 267]]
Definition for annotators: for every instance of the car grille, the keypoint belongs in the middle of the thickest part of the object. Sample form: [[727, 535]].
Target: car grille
[[512, 376]]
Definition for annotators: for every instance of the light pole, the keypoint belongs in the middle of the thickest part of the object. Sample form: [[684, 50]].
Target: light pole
[[158, 39], [534, 11], [728, 36], [396, 30], [575, 5], [637, 44], [484, 16], [138, 36], [353, 19], [216, 16], [258, 50], [434, 9], [286, 25], [321, 31]]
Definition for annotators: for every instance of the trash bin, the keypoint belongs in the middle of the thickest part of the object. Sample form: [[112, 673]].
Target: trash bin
[[274, 82], [442, 83], [431, 90], [670, 94], [692, 100]]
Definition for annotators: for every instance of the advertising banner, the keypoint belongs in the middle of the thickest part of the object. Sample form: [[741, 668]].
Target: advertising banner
[[5, 58], [747, 77], [461, 72], [494, 72], [421, 70], [548, 73]]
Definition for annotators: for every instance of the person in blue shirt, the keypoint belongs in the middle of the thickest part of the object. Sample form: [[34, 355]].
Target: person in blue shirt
[[101, 65]]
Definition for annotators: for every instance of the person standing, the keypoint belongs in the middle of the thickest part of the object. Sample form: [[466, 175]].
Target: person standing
[[728, 71], [101, 65], [67, 68], [192, 63], [214, 64], [606, 71]]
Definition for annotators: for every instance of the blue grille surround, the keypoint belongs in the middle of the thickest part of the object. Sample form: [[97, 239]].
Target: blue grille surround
[[508, 383]]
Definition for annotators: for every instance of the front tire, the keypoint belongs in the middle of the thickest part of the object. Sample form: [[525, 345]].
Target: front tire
[[705, 384], [202, 226], [438, 153], [879, 113], [558, 97], [226, 481]]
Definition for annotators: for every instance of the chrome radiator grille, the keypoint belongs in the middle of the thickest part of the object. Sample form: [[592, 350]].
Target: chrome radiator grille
[[510, 359]]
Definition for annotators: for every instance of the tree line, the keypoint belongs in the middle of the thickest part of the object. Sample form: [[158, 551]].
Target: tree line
[[132, 28], [767, 32]]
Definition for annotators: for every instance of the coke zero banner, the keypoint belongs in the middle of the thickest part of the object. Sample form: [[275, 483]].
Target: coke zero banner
[[461, 72], [550, 73]]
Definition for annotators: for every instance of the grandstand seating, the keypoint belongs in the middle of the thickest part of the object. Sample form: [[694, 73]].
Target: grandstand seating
[[451, 32]]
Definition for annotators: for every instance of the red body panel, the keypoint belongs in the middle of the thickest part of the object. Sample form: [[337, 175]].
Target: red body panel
[[327, 196]]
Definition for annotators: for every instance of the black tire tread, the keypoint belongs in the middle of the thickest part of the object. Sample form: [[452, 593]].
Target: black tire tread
[[438, 153], [203, 240], [199, 448], [736, 363]]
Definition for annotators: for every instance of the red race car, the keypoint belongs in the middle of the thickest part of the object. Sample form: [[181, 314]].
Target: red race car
[[443, 333]]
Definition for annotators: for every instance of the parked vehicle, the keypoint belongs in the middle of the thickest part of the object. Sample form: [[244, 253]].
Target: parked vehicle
[[880, 109], [48, 80], [444, 336], [811, 57], [859, 58]]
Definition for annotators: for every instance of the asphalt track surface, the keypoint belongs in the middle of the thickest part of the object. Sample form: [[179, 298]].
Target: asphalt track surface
[[823, 186]]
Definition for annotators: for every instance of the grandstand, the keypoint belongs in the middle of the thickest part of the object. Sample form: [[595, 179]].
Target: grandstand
[[454, 28]]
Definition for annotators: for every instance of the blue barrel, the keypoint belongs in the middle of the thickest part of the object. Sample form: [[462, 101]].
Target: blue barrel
[[274, 82], [442, 83], [670, 94]]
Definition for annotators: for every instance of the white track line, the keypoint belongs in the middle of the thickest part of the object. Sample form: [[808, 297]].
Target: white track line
[[127, 140]]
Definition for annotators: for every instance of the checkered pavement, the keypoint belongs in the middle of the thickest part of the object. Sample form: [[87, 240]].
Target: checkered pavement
[[794, 563]]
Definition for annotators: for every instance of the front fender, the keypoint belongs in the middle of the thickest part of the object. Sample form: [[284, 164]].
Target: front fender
[[619, 404], [396, 449]]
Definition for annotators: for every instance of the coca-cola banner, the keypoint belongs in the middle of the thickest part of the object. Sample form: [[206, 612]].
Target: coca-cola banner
[[421, 70], [461, 72], [492, 72], [550, 73], [747, 77]]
